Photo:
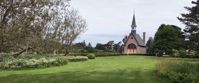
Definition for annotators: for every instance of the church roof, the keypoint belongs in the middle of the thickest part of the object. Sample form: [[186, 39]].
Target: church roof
[[139, 39]]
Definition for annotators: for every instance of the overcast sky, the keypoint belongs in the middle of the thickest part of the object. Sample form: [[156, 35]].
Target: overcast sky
[[111, 19]]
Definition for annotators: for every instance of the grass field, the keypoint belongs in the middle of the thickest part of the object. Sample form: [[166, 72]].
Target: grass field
[[120, 69]]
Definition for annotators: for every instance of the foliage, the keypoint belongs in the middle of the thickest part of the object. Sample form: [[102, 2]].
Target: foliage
[[78, 59], [179, 53], [91, 56], [185, 53], [191, 20], [106, 54], [36, 25], [167, 37], [100, 46], [81, 47], [197, 54], [179, 71], [36, 61], [22, 63], [149, 46], [5, 56], [109, 46], [89, 45], [182, 53], [117, 47]]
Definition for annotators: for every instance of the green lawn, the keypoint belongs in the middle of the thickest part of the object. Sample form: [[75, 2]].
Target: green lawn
[[120, 69]]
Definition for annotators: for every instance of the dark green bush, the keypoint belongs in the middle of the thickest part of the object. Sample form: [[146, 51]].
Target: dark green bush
[[197, 55], [105, 54], [78, 59], [91, 56], [179, 71], [177, 77], [183, 53], [160, 53]]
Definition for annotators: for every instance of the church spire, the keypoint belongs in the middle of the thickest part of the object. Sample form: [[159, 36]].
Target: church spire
[[133, 25]]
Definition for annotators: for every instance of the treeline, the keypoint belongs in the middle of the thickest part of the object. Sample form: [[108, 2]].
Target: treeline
[[109, 47], [39, 26]]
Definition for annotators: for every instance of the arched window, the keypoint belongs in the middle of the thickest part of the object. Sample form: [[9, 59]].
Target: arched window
[[132, 46]]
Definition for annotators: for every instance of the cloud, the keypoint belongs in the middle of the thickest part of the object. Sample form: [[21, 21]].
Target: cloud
[[111, 19]]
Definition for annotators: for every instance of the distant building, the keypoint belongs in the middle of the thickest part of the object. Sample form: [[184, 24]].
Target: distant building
[[133, 43]]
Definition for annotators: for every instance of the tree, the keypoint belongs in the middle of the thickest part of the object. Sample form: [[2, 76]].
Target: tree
[[89, 45], [149, 46], [109, 46], [125, 39], [90, 48], [191, 20], [37, 25], [167, 37], [72, 27], [21, 23], [80, 45], [117, 47], [100, 46]]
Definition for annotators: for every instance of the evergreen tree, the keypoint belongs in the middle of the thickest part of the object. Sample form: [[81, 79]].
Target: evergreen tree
[[89, 48], [117, 47], [100, 46], [149, 46], [89, 45], [191, 20], [167, 37]]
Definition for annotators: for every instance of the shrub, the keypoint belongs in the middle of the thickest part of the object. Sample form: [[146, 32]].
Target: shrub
[[5, 57], [78, 59], [25, 63], [197, 55], [105, 54], [183, 53], [37, 61], [179, 71], [177, 77], [159, 53], [91, 56]]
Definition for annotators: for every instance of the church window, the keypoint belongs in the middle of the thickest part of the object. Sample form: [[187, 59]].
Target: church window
[[132, 46]]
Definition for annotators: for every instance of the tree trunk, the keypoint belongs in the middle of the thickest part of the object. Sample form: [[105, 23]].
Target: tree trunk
[[66, 53], [2, 43], [1, 49], [22, 51]]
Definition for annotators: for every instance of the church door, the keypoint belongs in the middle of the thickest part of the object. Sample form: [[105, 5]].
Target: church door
[[132, 49]]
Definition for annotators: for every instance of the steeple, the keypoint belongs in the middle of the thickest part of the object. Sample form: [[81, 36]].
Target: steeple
[[133, 25]]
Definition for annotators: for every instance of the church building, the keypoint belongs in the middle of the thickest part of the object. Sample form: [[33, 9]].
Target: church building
[[133, 43]]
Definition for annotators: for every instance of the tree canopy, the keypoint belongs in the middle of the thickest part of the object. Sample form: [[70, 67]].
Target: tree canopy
[[191, 20], [37, 25], [167, 37], [149, 46]]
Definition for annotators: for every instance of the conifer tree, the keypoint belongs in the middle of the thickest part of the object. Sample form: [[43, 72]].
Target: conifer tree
[[191, 20]]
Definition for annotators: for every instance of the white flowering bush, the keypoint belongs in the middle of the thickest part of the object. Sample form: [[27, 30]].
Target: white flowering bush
[[36, 61], [23, 63]]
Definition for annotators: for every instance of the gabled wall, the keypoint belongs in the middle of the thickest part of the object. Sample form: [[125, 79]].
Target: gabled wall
[[140, 50]]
